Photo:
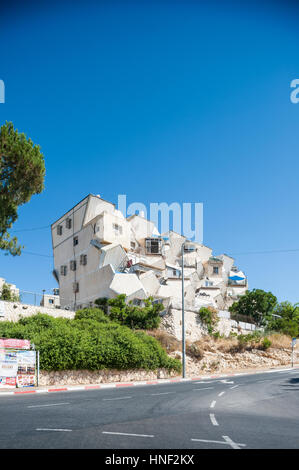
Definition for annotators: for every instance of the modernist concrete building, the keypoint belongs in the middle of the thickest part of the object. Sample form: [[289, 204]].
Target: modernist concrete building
[[100, 253]]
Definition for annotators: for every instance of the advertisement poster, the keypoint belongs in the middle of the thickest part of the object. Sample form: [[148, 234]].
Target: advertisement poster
[[26, 361], [14, 343], [8, 369], [17, 366], [8, 382]]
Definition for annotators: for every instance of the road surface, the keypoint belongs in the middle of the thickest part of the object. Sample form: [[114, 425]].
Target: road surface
[[257, 411]]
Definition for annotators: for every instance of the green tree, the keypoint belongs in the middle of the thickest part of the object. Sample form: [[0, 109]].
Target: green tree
[[285, 319], [257, 304], [22, 172], [135, 317], [7, 294]]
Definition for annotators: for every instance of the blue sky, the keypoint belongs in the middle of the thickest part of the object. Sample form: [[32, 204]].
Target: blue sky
[[164, 102]]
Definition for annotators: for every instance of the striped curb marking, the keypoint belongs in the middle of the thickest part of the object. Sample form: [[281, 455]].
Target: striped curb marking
[[130, 384]]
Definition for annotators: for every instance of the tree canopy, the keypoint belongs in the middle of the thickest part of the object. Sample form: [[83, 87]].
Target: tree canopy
[[257, 304], [22, 172], [285, 319]]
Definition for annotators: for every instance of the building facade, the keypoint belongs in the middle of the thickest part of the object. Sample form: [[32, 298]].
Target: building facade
[[100, 253]]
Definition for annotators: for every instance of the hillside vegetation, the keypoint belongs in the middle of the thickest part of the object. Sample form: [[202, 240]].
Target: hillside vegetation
[[90, 341]]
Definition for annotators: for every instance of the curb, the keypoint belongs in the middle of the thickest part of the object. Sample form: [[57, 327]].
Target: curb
[[73, 388]]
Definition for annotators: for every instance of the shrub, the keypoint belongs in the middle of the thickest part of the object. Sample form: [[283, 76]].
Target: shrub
[[88, 342], [91, 314], [168, 342], [266, 343], [194, 350], [209, 318], [135, 317]]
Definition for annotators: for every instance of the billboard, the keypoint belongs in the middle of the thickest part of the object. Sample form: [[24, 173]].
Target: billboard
[[14, 343], [18, 365]]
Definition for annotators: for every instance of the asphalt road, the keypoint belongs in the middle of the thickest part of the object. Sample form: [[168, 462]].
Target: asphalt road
[[259, 411]]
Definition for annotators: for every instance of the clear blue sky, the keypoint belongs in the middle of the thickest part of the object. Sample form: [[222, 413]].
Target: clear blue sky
[[161, 101]]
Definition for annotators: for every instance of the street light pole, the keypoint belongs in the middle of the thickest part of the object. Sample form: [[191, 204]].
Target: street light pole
[[183, 317]]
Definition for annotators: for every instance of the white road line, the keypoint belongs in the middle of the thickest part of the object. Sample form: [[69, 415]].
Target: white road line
[[213, 419], [220, 394], [233, 444], [46, 429], [119, 398], [213, 404], [203, 382], [226, 381], [162, 393], [204, 388], [266, 380], [227, 441], [50, 404], [234, 386], [127, 434]]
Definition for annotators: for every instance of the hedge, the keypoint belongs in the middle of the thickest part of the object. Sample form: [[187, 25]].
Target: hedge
[[89, 341]]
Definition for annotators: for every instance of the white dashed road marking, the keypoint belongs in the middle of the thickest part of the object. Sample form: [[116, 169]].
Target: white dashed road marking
[[220, 394], [204, 388], [119, 398], [47, 429], [128, 434], [213, 404], [213, 419], [50, 404]]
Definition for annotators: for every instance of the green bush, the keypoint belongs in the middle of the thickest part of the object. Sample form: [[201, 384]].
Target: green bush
[[90, 341], [209, 318], [266, 343], [145, 318], [91, 314]]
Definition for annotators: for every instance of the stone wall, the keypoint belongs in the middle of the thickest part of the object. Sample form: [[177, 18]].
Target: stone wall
[[194, 328], [13, 311], [77, 377], [224, 362]]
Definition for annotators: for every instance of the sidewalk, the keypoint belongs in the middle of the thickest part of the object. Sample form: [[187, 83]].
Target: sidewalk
[[69, 388]]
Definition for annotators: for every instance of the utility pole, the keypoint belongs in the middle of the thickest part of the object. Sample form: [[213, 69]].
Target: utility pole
[[183, 316]]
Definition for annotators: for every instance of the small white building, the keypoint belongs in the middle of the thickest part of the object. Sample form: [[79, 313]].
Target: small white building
[[14, 290]]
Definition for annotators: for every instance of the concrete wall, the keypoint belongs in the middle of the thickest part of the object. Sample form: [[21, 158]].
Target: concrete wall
[[13, 311]]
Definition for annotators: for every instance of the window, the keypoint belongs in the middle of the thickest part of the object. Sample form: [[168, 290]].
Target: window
[[68, 223], [118, 230], [215, 270], [153, 246], [75, 241], [83, 259], [75, 287], [73, 265], [63, 270], [59, 229], [133, 245], [51, 301]]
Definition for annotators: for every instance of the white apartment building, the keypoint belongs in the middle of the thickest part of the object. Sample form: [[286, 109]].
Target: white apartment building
[[100, 253], [51, 300], [14, 290]]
